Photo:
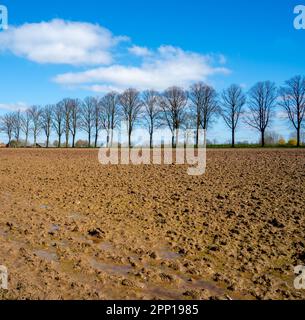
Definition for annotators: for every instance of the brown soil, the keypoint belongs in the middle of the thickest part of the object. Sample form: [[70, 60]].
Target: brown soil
[[71, 228]]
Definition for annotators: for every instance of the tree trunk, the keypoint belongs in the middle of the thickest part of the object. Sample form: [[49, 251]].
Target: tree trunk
[[67, 132], [177, 138], [26, 139], [96, 138], [108, 139], [129, 137], [197, 130], [263, 139], [59, 141], [48, 140], [111, 139], [151, 133], [299, 136], [151, 140], [73, 141], [233, 138]]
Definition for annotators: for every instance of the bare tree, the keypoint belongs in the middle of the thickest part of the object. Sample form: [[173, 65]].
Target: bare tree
[[75, 119], [209, 107], [196, 95], [97, 120], [204, 100], [58, 121], [25, 125], [293, 102], [233, 101], [7, 125], [262, 99], [109, 115], [173, 103], [131, 107], [67, 114], [35, 114], [152, 110], [47, 118], [17, 125], [87, 117]]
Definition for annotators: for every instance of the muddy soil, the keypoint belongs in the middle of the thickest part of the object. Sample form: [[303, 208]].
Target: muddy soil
[[71, 228]]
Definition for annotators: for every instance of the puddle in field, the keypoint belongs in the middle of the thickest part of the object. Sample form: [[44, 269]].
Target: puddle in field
[[106, 246], [82, 239], [162, 293], [186, 282], [3, 233], [54, 228], [44, 206], [202, 284], [121, 270], [75, 216], [46, 255], [176, 291], [63, 243], [166, 254]]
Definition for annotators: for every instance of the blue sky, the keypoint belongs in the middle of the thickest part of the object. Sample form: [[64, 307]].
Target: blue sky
[[145, 44]]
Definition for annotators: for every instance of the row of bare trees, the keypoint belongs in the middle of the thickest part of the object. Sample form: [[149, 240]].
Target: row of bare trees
[[175, 108]]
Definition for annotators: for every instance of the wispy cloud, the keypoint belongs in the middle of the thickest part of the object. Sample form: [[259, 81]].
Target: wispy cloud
[[61, 42], [13, 106], [166, 67], [140, 51]]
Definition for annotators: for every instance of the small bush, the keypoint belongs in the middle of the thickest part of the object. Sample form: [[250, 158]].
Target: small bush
[[14, 144], [292, 142], [282, 142], [81, 144]]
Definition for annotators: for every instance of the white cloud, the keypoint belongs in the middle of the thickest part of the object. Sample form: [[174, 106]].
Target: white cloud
[[85, 44], [14, 106], [140, 51], [166, 67], [101, 88], [61, 42]]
